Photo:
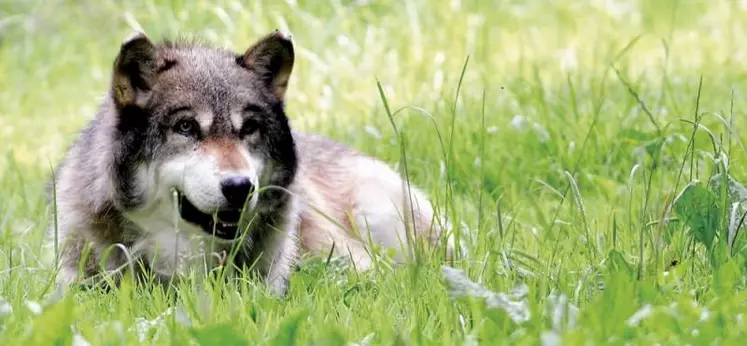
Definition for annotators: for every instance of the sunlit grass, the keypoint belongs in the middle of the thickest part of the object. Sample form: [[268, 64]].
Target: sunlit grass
[[546, 163]]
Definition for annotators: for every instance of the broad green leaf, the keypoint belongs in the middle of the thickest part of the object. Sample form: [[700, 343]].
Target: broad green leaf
[[699, 208], [220, 334], [53, 326], [288, 331]]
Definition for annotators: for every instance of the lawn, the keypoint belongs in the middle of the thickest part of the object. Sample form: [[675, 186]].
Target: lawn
[[579, 147]]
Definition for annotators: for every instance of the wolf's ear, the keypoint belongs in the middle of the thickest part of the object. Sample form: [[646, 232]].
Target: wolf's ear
[[134, 71], [271, 58]]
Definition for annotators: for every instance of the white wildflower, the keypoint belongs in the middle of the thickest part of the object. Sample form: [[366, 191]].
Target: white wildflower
[[79, 340], [642, 313], [551, 338], [5, 307], [514, 302], [365, 341], [558, 306], [33, 306], [372, 131]]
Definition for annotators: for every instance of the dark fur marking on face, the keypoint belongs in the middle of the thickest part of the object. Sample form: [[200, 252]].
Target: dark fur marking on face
[[281, 144], [132, 118], [166, 65], [282, 156], [179, 109], [253, 108], [129, 153]]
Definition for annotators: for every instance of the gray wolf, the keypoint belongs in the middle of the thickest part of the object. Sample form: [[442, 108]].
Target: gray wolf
[[191, 156]]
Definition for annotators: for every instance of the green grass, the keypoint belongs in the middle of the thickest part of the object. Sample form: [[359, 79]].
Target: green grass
[[559, 159]]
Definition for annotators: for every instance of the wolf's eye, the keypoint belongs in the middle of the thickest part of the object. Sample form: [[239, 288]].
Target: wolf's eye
[[250, 127], [186, 127]]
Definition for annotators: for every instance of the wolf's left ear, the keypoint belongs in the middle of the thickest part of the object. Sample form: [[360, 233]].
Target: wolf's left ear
[[134, 71], [271, 58]]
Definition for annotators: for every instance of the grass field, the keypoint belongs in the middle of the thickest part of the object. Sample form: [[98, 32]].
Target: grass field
[[573, 143]]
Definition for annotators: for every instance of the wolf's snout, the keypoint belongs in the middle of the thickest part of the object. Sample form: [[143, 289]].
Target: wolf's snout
[[236, 189]]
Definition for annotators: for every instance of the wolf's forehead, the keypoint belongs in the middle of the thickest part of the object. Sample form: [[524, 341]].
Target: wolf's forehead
[[205, 74], [205, 65], [203, 58]]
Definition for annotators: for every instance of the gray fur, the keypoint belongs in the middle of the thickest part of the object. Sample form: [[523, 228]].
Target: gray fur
[[181, 116], [98, 183]]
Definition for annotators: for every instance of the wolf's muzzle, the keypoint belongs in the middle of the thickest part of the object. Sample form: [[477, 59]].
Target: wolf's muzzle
[[223, 224]]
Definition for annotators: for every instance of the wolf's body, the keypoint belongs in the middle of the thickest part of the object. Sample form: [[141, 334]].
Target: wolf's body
[[179, 146]]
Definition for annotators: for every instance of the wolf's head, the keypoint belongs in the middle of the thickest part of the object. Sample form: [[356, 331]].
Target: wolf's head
[[204, 122]]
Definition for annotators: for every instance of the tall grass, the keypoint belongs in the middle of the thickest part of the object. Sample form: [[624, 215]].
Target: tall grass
[[570, 144]]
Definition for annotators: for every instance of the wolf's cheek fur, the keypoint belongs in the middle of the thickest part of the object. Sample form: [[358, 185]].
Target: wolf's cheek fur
[[195, 176]]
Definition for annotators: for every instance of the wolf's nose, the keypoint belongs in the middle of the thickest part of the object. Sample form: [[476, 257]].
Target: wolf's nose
[[236, 189]]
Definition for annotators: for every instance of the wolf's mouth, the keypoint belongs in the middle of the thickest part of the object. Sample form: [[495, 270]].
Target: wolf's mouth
[[224, 225]]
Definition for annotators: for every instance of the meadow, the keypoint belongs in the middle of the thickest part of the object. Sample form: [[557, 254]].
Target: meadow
[[589, 153]]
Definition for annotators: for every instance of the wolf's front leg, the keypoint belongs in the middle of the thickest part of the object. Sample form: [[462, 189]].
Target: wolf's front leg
[[279, 254], [88, 263]]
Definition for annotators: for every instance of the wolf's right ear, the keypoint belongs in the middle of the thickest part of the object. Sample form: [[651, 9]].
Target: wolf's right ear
[[134, 71], [271, 58]]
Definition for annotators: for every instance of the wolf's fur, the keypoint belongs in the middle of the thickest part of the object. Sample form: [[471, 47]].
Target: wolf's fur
[[182, 118]]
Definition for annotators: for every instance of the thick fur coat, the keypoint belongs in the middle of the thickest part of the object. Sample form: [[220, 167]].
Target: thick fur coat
[[191, 155]]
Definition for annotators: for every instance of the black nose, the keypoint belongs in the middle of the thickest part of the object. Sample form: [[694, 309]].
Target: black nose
[[236, 189]]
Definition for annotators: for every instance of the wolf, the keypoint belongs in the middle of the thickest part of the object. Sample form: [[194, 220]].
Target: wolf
[[191, 156]]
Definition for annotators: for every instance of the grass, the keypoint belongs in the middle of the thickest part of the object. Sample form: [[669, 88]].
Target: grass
[[557, 135]]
